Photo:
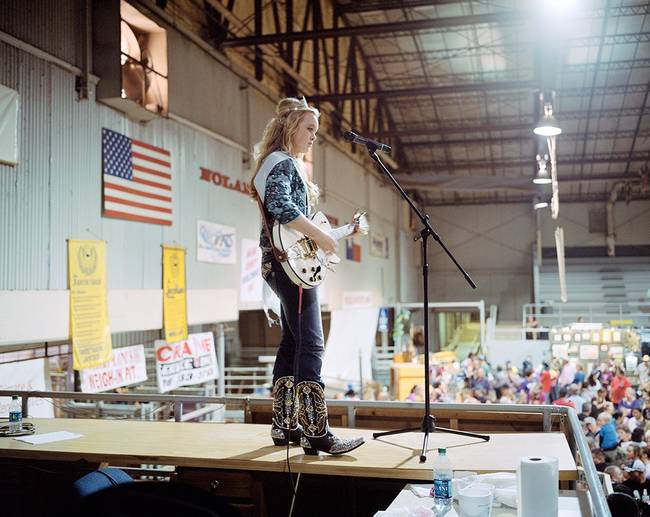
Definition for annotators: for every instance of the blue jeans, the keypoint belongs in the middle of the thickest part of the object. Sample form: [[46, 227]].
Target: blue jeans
[[302, 335]]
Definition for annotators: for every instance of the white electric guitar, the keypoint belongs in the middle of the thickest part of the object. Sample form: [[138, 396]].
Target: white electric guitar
[[306, 264]]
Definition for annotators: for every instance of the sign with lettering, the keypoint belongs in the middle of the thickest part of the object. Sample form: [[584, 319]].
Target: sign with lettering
[[91, 337], [218, 179], [215, 243], [31, 375], [127, 366], [174, 293], [187, 362]]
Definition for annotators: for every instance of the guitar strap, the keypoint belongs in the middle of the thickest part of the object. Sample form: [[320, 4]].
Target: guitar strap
[[280, 256]]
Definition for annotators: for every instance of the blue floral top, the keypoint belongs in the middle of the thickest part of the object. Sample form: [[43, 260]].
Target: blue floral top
[[285, 198]]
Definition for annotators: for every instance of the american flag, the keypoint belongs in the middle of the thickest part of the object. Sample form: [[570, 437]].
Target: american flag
[[137, 180]]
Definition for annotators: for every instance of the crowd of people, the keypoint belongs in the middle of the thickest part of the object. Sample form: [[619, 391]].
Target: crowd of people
[[612, 406]]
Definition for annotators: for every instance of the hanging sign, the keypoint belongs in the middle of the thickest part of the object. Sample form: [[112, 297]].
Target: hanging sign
[[174, 294], [250, 281], [215, 243], [127, 366], [187, 362], [91, 337]]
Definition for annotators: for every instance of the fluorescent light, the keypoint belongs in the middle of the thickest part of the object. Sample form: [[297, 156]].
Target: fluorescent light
[[547, 125]]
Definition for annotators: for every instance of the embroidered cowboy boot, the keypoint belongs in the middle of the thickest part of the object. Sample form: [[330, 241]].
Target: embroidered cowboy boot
[[312, 415], [285, 413]]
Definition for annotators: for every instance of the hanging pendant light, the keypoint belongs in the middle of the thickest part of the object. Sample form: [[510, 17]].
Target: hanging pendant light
[[542, 178], [547, 125]]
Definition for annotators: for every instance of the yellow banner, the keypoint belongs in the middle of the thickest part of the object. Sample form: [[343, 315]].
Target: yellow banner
[[91, 337], [174, 294]]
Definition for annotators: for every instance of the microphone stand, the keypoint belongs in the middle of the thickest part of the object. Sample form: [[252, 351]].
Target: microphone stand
[[428, 421]]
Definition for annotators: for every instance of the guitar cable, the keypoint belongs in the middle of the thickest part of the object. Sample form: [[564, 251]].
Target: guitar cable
[[296, 370]]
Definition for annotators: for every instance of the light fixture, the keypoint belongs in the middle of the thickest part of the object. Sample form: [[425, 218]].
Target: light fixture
[[540, 204], [547, 125], [542, 177]]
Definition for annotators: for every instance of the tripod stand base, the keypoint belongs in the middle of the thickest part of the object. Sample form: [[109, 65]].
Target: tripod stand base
[[429, 426]]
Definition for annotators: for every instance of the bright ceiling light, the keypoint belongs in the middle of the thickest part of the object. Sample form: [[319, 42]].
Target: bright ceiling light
[[547, 125], [542, 177]]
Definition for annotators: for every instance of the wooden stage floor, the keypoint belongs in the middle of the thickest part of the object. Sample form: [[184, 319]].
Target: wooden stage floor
[[248, 447]]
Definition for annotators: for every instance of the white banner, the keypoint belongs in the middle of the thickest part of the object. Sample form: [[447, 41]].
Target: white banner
[[126, 366], [215, 243], [8, 125], [250, 279], [191, 361], [32, 375], [349, 347]]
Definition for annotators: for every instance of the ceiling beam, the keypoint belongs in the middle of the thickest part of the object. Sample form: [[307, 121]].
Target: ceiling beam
[[526, 199], [515, 164], [407, 182], [522, 138], [377, 28], [445, 130], [386, 5], [427, 90], [483, 86]]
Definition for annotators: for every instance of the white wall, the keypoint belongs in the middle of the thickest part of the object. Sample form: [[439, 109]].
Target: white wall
[[494, 243]]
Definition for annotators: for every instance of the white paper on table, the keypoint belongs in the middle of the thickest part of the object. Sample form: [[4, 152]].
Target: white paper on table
[[58, 436]]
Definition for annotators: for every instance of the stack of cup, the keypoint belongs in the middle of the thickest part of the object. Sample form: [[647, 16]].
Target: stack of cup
[[475, 500]]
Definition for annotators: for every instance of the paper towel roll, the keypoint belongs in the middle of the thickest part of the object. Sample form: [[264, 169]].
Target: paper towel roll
[[537, 487]]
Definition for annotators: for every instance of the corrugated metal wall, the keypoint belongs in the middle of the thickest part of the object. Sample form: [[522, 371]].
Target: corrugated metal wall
[[42, 23], [54, 193]]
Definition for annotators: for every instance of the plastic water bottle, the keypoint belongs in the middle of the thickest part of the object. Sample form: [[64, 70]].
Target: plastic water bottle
[[442, 476], [15, 415]]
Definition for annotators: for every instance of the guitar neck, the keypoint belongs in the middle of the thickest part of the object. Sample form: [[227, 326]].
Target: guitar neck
[[341, 232]]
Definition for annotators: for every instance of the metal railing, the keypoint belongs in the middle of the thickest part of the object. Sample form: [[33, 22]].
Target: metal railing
[[577, 441], [557, 314]]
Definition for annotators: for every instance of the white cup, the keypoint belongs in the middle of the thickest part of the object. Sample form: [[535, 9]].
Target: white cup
[[476, 500]]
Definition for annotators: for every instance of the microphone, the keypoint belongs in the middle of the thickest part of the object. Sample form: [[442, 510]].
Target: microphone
[[353, 137]]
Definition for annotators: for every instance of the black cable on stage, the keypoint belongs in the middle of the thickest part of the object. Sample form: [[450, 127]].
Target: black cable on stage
[[296, 371]]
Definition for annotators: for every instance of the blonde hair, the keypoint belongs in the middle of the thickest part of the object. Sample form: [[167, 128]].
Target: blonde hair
[[278, 135]]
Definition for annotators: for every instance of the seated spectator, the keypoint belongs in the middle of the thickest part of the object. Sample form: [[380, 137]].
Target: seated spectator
[[574, 396], [629, 402], [624, 438], [638, 436], [591, 429], [615, 473], [636, 476], [607, 432], [633, 452], [563, 400], [617, 417], [480, 381], [537, 396], [506, 395], [636, 420], [599, 460], [599, 401], [586, 411]]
